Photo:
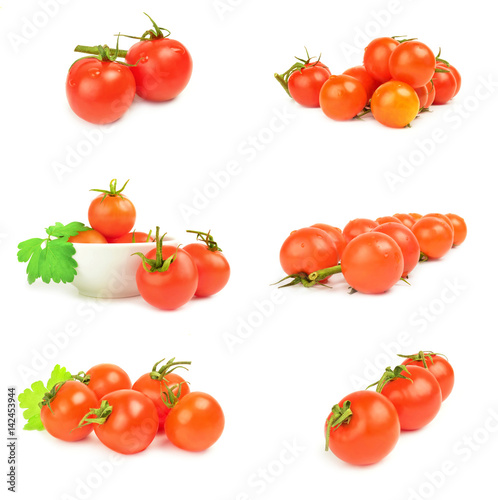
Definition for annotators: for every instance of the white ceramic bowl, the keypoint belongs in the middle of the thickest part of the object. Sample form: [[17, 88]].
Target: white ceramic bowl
[[108, 270]]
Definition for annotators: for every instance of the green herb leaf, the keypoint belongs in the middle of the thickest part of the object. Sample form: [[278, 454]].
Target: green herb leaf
[[66, 231], [30, 398]]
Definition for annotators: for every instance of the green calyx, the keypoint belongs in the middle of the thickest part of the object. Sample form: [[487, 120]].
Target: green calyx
[[82, 377], [153, 34], [402, 38], [166, 369], [169, 398], [312, 279], [97, 415], [441, 60], [422, 356], [340, 415], [208, 239], [103, 53], [49, 396], [158, 264], [113, 190], [390, 375]]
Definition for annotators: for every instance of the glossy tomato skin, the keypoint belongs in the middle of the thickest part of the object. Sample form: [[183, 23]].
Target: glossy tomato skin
[[442, 217], [458, 78], [372, 432], [412, 62], [434, 237], [423, 95], [132, 425], [440, 368], [387, 218], [307, 250], [336, 234], [415, 216], [431, 94], [459, 228], [361, 74], [445, 84], [163, 68], [195, 423], [372, 263], [305, 84], [417, 401], [395, 104], [172, 288], [112, 216], [90, 236], [154, 389], [106, 378], [407, 243], [71, 403], [342, 97], [99, 91], [376, 57], [406, 219], [138, 236], [356, 227], [212, 266]]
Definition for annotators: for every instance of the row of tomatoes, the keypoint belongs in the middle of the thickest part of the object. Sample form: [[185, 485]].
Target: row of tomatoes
[[397, 80], [365, 426], [126, 417], [374, 254]]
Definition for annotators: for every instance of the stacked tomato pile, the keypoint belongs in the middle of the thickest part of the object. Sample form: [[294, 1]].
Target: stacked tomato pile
[[398, 80], [373, 254], [126, 418], [364, 427]]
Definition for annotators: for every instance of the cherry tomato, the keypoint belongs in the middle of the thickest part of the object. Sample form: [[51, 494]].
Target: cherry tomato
[[369, 434], [457, 76], [460, 229], [372, 263], [406, 219], [431, 94], [412, 62], [89, 236], [388, 218], [69, 403], [358, 226], [336, 234], [438, 366], [130, 424], [133, 237], [195, 423], [112, 213], [162, 67], [306, 250], [445, 84], [395, 104], [442, 217], [376, 58], [423, 95], [361, 74], [106, 378], [305, 84], [434, 236], [342, 97], [99, 91], [417, 400], [415, 216], [407, 243]]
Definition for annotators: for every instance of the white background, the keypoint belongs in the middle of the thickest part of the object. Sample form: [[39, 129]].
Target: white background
[[311, 347]]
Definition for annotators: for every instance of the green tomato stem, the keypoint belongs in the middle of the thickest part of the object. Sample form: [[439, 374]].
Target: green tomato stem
[[86, 49]]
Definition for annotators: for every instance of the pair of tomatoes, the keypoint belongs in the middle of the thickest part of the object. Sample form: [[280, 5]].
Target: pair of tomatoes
[[126, 417], [100, 89], [365, 426], [373, 254]]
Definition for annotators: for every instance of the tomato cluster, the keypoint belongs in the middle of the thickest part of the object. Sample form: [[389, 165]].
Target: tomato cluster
[[397, 80], [101, 89], [365, 426], [126, 418], [373, 254]]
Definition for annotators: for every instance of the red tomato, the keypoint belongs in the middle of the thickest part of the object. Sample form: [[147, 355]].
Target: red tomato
[[458, 78], [129, 423], [195, 423], [99, 91], [106, 378], [90, 236], [358, 226], [438, 366], [417, 400], [376, 58], [412, 62], [133, 237], [423, 95], [407, 243], [395, 104], [434, 236], [305, 84], [69, 403], [388, 218], [431, 94], [161, 66], [460, 229], [336, 234], [306, 250], [372, 263], [369, 433], [406, 219], [342, 97], [442, 217], [112, 213], [445, 84], [361, 74]]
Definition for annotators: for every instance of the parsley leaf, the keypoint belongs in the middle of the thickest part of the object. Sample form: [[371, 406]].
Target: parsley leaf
[[51, 258], [30, 399]]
